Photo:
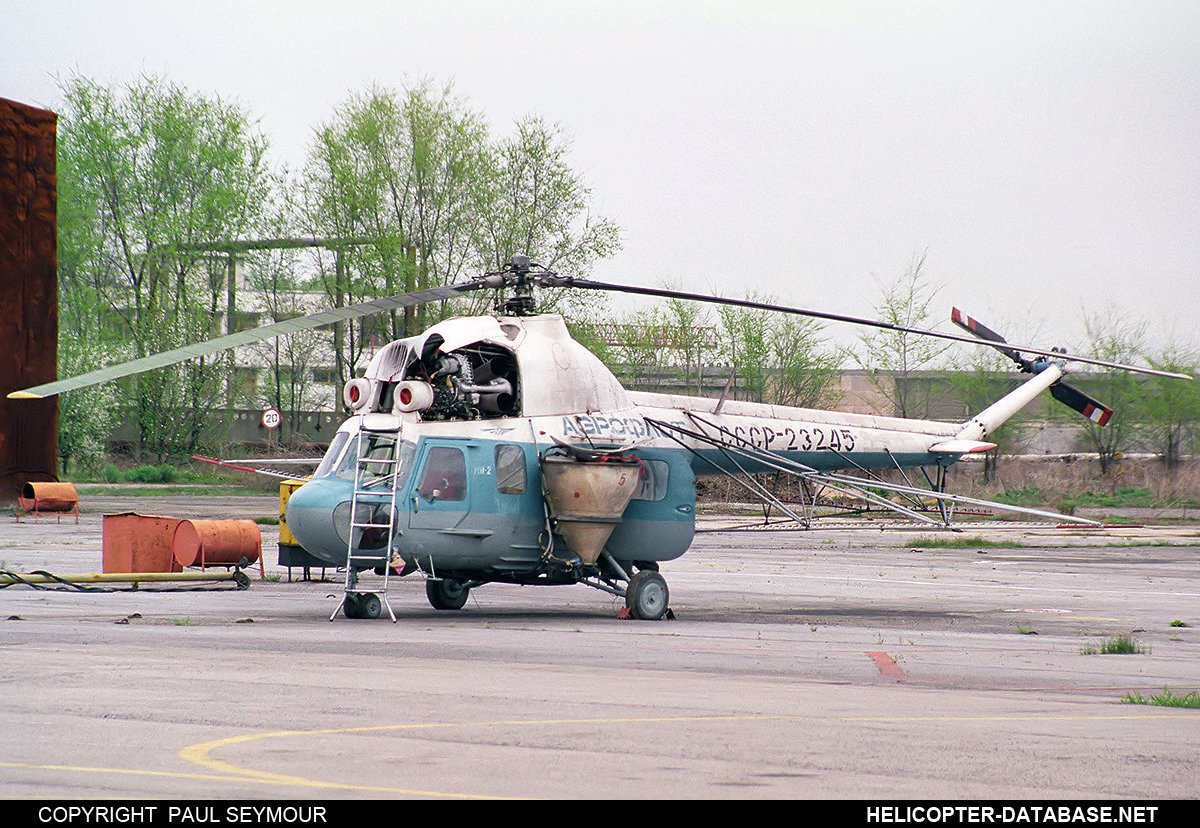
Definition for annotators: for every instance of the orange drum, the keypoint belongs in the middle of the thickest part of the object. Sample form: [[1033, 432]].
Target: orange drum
[[216, 542], [49, 497]]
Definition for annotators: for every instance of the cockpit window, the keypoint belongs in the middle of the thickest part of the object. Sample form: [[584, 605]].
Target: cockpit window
[[331, 456], [377, 454]]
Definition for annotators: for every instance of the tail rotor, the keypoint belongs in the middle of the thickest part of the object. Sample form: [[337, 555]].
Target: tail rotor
[[1068, 395]]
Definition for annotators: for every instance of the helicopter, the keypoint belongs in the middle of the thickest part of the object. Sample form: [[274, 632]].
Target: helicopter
[[498, 449]]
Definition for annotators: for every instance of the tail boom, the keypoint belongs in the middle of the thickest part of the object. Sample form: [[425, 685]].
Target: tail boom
[[996, 414]]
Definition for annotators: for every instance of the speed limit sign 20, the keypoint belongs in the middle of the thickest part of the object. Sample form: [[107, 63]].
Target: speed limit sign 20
[[271, 418]]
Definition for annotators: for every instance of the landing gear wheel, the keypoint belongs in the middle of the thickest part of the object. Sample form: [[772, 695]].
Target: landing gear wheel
[[647, 596], [446, 593], [350, 605], [369, 605]]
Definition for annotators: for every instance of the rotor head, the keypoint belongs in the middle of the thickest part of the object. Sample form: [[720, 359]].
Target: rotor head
[[521, 275]]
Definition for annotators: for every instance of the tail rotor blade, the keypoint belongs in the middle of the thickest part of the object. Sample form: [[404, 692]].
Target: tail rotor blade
[[988, 335], [1072, 397]]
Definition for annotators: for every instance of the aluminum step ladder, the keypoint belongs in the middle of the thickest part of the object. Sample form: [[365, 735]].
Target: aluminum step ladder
[[372, 516]]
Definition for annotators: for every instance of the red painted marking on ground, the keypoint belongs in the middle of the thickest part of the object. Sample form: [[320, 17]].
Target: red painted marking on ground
[[888, 668]]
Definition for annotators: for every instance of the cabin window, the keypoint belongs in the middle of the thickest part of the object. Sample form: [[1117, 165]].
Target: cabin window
[[652, 480], [510, 469], [445, 475]]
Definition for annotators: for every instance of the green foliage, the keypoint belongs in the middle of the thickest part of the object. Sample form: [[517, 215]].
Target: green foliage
[[148, 175], [284, 381], [165, 473], [779, 359], [404, 171], [416, 178], [684, 320], [669, 342], [1171, 408], [891, 358], [1024, 496], [536, 204], [1116, 645], [926, 542], [1127, 496], [1113, 338], [86, 416], [1165, 699]]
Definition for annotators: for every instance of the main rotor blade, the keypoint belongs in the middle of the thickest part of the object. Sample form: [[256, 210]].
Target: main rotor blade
[[854, 320], [248, 337]]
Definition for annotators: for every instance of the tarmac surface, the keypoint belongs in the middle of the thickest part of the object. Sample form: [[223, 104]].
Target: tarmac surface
[[838, 663]]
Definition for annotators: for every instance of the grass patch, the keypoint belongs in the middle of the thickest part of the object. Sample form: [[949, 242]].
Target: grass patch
[[927, 542], [169, 479], [1120, 497], [169, 490], [1116, 645], [1024, 496], [1178, 623], [1165, 699]]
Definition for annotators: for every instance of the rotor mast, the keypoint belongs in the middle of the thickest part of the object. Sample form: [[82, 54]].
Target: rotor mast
[[522, 276]]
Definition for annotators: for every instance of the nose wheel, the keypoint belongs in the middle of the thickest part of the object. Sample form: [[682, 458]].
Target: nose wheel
[[362, 605], [647, 596]]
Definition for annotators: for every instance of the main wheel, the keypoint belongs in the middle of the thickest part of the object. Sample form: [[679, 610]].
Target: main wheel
[[369, 605], [350, 605], [647, 596], [446, 593]]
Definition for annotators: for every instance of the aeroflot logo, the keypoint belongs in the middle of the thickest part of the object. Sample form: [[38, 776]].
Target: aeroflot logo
[[598, 425]]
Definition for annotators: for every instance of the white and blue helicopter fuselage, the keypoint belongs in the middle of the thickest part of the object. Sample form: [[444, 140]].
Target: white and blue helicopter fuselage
[[470, 410]]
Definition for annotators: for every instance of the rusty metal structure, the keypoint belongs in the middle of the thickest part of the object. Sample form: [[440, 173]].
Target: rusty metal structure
[[28, 295]]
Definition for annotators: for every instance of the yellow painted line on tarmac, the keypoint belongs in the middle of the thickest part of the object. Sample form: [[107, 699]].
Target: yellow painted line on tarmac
[[127, 771], [199, 753], [226, 772]]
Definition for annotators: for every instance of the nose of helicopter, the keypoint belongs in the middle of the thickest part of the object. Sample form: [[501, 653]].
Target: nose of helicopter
[[310, 519]]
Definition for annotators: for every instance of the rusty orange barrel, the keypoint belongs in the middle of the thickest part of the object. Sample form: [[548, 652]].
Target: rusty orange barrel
[[139, 543], [216, 542], [49, 497]]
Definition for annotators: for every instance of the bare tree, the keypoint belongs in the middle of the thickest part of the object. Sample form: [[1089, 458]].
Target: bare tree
[[892, 359], [1114, 338]]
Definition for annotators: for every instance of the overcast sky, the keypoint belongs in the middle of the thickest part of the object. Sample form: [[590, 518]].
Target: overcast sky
[[1044, 156]]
